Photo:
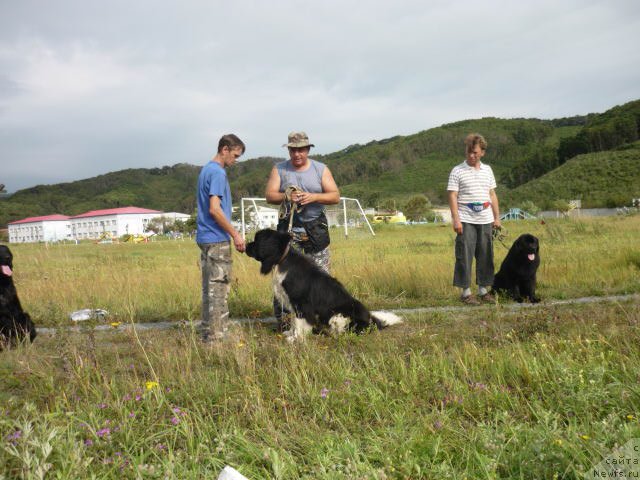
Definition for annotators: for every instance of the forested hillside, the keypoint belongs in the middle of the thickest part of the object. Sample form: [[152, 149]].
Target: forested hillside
[[530, 157]]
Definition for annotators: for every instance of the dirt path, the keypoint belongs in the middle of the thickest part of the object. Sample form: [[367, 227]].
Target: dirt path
[[271, 320]]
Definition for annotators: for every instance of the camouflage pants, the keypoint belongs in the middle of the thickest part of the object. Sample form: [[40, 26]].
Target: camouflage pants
[[215, 262], [322, 259]]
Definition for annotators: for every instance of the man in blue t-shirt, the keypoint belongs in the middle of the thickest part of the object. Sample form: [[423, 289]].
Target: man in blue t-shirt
[[213, 236]]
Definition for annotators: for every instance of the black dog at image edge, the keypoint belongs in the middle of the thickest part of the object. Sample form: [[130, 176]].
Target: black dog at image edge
[[15, 324], [320, 302], [517, 274]]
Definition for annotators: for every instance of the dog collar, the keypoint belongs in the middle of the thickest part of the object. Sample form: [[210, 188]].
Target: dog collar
[[286, 250]]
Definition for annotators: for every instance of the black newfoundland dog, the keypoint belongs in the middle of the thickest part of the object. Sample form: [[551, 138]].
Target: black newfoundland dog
[[517, 274], [15, 324], [319, 301]]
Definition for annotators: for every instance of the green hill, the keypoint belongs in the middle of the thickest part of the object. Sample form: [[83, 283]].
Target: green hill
[[520, 151], [600, 179]]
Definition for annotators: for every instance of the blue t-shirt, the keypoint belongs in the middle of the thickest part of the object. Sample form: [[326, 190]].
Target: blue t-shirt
[[212, 181]]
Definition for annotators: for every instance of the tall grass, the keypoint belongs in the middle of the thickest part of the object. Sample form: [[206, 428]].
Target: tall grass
[[400, 267], [480, 393]]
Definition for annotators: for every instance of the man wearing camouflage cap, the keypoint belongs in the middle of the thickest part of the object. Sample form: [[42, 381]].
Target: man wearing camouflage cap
[[314, 188]]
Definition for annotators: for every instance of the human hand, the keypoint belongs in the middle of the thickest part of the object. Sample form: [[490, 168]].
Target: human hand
[[497, 224], [457, 227], [239, 243], [303, 198]]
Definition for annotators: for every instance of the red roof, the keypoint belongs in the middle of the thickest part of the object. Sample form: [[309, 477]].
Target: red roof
[[46, 218], [115, 211]]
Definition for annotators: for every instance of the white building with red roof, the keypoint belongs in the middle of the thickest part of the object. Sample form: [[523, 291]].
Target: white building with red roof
[[49, 228], [113, 222]]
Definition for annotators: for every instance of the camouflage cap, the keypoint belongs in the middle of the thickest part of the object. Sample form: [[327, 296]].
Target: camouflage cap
[[298, 140]]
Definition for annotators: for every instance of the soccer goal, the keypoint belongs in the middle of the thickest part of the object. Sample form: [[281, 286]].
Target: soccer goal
[[347, 216]]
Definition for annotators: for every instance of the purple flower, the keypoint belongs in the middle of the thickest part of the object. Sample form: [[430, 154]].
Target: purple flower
[[438, 424], [138, 397], [132, 415], [102, 405], [88, 442], [103, 432], [167, 389], [161, 447], [126, 398], [324, 392], [175, 420], [17, 435]]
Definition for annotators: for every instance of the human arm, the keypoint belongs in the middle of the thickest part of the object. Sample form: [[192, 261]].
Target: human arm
[[272, 192], [330, 194], [495, 207], [455, 216], [216, 212]]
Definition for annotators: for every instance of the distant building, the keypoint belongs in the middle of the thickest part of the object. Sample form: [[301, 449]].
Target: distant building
[[49, 228], [174, 216], [93, 225], [265, 217], [114, 222]]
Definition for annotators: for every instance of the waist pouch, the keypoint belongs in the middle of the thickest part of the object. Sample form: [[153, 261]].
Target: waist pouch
[[317, 233], [478, 206]]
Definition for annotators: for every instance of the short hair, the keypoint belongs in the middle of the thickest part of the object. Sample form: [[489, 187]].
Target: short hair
[[473, 140], [231, 141]]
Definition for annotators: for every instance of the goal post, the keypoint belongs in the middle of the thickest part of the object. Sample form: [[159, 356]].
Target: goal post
[[348, 215]]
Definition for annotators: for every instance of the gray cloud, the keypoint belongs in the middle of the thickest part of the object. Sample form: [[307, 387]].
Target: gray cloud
[[89, 88]]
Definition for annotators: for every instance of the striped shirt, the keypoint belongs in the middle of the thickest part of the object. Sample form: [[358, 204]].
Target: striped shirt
[[473, 186]]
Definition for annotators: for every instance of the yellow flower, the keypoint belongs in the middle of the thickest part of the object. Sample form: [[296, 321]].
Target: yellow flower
[[585, 437], [241, 344], [151, 385], [115, 324], [630, 417], [558, 442]]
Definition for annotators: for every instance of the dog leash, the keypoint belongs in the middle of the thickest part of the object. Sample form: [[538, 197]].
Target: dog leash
[[288, 206], [500, 234]]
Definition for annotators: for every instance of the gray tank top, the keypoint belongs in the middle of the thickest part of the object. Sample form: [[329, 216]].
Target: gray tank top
[[310, 181]]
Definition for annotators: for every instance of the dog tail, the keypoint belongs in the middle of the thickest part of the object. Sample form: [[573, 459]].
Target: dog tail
[[384, 319]]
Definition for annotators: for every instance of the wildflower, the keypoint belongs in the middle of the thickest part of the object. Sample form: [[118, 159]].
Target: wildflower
[[151, 385], [558, 442], [115, 324], [102, 405], [630, 417], [161, 447], [138, 397], [324, 392], [438, 424], [132, 415], [175, 420], [241, 344], [585, 437], [17, 435], [103, 432], [126, 398], [88, 442], [167, 389]]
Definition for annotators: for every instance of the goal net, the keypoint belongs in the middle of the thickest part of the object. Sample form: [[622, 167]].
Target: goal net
[[346, 218]]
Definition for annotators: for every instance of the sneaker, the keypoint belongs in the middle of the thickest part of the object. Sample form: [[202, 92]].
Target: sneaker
[[470, 300], [487, 298]]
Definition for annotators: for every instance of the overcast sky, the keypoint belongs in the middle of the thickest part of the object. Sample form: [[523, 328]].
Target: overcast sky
[[90, 87]]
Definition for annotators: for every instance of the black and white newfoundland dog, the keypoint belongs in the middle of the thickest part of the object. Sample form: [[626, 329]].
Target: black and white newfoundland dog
[[517, 274], [15, 324], [318, 300]]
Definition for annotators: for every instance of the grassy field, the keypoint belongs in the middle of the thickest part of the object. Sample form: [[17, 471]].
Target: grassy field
[[400, 267], [478, 393]]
